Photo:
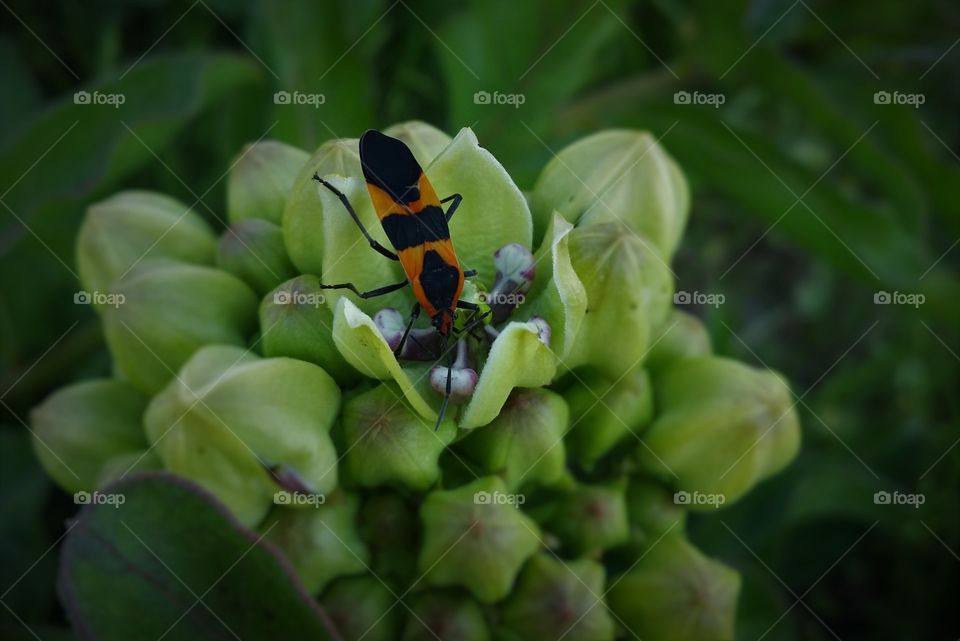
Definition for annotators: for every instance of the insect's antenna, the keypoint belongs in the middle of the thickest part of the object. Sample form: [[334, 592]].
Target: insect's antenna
[[446, 394]]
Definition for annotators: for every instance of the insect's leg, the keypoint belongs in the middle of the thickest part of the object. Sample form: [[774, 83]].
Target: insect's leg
[[475, 322], [363, 230], [414, 313], [463, 304], [456, 198], [446, 394], [470, 273], [373, 293]]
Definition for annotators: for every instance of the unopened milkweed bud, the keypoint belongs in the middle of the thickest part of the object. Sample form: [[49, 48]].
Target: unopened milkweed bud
[[475, 543], [253, 251], [721, 427], [559, 599], [388, 443], [230, 418], [169, 311], [132, 226], [80, 429], [296, 321], [321, 540], [629, 290], [260, 180], [621, 176], [675, 592]]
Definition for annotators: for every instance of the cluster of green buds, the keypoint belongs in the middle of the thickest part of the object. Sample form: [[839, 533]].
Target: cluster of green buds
[[588, 417]]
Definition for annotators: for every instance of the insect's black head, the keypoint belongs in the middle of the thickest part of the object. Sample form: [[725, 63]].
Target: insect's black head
[[389, 164], [443, 320]]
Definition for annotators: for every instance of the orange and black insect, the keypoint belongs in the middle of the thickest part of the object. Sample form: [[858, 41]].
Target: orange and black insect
[[418, 228]]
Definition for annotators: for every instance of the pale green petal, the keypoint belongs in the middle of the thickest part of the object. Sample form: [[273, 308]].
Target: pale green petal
[[629, 291], [557, 295], [347, 257], [230, 415], [493, 212], [425, 141], [260, 180], [616, 175], [303, 213], [131, 226], [360, 343], [518, 358]]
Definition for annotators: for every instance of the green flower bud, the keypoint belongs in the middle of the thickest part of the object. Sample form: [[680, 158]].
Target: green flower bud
[[629, 291], [675, 592], [230, 417], [79, 429], [260, 179], [557, 599], [303, 225], [621, 176], [425, 141], [253, 251], [387, 442], [524, 444], [653, 513], [591, 518], [473, 539], [297, 322], [119, 232], [681, 336], [321, 541], [436, 616], [606, 412], [722, 426], [362, 607], [390, 526], [169, 311]]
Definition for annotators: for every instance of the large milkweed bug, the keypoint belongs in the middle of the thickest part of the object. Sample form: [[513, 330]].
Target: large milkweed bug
[[417, 227]]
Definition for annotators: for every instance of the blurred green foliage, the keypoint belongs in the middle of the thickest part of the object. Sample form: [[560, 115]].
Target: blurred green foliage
[[809, 198]]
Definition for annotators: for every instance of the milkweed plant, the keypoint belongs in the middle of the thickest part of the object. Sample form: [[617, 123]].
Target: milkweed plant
[[589, 415]]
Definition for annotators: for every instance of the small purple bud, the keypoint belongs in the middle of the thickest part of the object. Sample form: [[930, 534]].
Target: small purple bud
[[514, 262], [391, 325], [462, 382], [543, 329], [515, 272]]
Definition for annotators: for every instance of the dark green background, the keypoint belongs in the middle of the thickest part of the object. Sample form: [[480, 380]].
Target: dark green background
[[876, 385]]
